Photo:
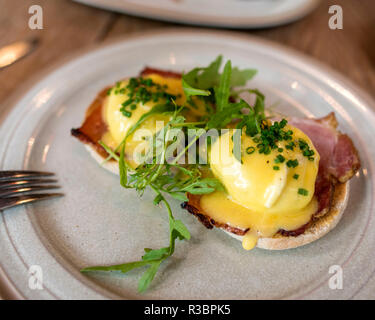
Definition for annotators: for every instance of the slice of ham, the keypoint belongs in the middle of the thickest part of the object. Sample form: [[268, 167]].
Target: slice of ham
[[339, 159], [338, 156]]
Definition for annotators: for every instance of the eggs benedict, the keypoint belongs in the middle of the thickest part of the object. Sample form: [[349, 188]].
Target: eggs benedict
[[265, 192], [283, 187]]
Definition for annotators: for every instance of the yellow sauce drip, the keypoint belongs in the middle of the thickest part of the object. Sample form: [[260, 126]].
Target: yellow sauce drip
[[249, 240]]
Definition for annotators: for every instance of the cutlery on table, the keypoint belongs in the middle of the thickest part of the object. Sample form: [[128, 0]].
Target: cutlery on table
[[20, 187]]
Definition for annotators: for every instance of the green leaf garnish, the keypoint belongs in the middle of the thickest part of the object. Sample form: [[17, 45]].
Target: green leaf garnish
[[148, 276], [171, 178], [190, 91], [223, 91], [205, 78], [240, 77]]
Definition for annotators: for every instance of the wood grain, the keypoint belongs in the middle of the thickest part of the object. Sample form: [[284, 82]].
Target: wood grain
[[350, 51], [69, 27]]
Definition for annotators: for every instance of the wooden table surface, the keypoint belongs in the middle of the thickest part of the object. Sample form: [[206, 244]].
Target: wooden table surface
[[69, 27]]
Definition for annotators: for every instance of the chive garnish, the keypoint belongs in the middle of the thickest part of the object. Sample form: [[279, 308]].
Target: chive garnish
[[279, 159], [250, 150], [292, 163], [140, 90]]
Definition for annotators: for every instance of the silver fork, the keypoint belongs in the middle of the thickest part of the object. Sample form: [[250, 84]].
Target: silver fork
[[18, 187]]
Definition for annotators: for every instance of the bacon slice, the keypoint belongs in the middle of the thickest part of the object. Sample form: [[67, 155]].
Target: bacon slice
[[164, 73], [93, 128]]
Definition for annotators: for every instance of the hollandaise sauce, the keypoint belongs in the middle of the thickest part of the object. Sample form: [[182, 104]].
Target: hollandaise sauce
[[130, 99], [266, 190]]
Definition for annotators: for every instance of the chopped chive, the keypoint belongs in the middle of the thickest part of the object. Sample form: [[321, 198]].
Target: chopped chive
[[292, 163], [127, 102], [296, 176], [303, 192], [276, 168], [290, 145], [305, 148], [126, 113], [140, 90], [279, 159], [250, 150]]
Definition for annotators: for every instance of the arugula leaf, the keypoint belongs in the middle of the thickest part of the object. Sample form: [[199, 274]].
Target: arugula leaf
[[203, 186], [109, 151], [123, 168], [161, 108], [125, 267], [220, 119], [259, 102], [171, 178], [240, 77], [223, 91], [205, 78], [183, 232], [190, 91], [148, 276], [209, 77], [178, 196], [158, 109], [155, 254], [157, 199]]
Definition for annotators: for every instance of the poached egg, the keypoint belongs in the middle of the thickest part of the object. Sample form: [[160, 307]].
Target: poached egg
[[262, 194]]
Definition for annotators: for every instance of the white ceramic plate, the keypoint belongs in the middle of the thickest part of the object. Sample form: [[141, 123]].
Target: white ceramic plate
[[99, 223], [217, 13]]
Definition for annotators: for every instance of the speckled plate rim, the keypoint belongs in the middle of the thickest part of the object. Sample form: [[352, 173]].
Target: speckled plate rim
[[174, 14], [332, 78]]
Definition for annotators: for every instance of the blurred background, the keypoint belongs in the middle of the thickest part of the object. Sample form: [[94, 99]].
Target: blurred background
[[69, 27]]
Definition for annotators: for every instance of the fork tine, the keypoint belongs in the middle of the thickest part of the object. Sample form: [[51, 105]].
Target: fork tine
[[21, 190], [23, 183], [6, 203], [14, 175]]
